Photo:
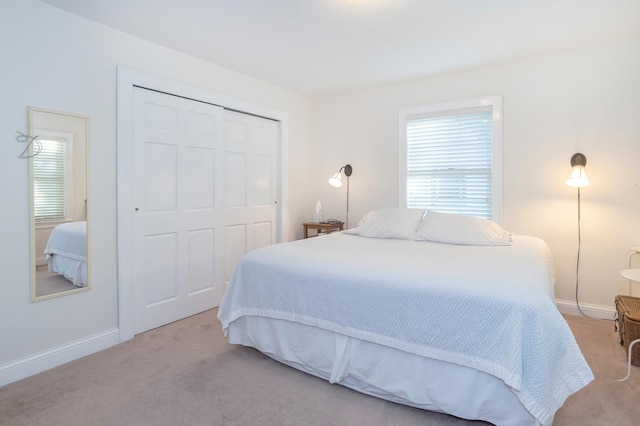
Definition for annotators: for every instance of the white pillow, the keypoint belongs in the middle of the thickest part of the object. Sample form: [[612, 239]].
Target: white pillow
[[459, 229], [389, 223]]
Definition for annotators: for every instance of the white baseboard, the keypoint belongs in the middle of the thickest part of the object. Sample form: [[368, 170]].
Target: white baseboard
[[595, 311], [39, 362]]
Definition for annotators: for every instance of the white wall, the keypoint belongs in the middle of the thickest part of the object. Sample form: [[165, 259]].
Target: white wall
[[55, 60], [585, 102]]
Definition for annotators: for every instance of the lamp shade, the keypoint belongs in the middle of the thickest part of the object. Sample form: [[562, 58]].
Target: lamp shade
[[578, 177], [336, 180]]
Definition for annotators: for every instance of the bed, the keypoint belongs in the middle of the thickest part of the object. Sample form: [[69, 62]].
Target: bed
[[66, 252], [442, 312]]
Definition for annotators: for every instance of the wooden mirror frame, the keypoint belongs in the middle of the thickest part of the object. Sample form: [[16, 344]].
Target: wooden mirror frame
[[57, 122]]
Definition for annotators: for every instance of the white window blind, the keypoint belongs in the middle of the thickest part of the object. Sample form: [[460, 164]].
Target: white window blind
[[49, 176], [450, 161]]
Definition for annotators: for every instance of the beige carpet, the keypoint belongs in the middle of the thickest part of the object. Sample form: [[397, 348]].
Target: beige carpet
[[51, 282], [186, 374]]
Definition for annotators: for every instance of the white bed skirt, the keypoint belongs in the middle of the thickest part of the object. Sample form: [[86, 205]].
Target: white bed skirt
[[72, 269], [384, 372]]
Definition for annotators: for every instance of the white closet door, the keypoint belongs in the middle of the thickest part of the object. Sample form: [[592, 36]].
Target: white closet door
[[178, 221], [250, 185]]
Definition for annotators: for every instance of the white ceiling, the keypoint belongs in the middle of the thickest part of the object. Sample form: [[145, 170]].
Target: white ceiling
[[319, 47]]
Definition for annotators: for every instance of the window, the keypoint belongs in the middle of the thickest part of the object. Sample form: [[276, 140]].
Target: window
[[451, 157], [52, 183]]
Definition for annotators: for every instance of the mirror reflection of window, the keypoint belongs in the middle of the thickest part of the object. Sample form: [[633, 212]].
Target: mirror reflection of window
[[59, 211], [53, 179]]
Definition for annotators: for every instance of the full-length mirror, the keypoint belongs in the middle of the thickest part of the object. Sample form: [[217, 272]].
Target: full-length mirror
[[58, 163]]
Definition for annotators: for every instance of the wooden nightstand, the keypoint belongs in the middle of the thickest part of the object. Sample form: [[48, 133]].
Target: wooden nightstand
[[326, 227]]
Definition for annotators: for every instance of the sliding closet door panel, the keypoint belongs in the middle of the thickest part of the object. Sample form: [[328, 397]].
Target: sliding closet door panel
[[161, 269], [202, 254], [235, 178], [250, 176], [160, 177], [262, 171], [178, 214], [201, 178], [235, 247], [262, 234]]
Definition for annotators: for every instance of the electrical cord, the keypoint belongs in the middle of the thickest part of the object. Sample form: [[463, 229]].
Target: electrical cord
[[578, 265], [578, 261]]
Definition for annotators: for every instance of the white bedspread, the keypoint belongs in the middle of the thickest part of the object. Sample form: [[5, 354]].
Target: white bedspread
[[66, 252], [488, 308], [69, 240]]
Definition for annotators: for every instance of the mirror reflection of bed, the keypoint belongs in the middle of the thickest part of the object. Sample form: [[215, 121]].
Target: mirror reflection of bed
[[66, 257], [58, 166]]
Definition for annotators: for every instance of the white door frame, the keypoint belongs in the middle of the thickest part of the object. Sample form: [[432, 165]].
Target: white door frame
[[127, 79]]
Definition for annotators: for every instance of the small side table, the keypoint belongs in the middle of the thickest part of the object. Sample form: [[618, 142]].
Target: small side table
[[634, 251], [633, 275], [326, 227]]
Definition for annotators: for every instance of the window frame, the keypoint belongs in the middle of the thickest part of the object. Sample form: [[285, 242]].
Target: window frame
[[497, 181]]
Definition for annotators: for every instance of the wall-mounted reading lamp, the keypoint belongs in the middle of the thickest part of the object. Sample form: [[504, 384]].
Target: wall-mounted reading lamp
[[578, 179], [336, 181]]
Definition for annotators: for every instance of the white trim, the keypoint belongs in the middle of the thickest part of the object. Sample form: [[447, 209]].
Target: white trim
[[595, 311], [126, 80], [495, 102], [51, 358]]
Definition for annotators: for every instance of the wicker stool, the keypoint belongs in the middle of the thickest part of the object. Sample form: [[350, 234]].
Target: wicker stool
[[628, 308]]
